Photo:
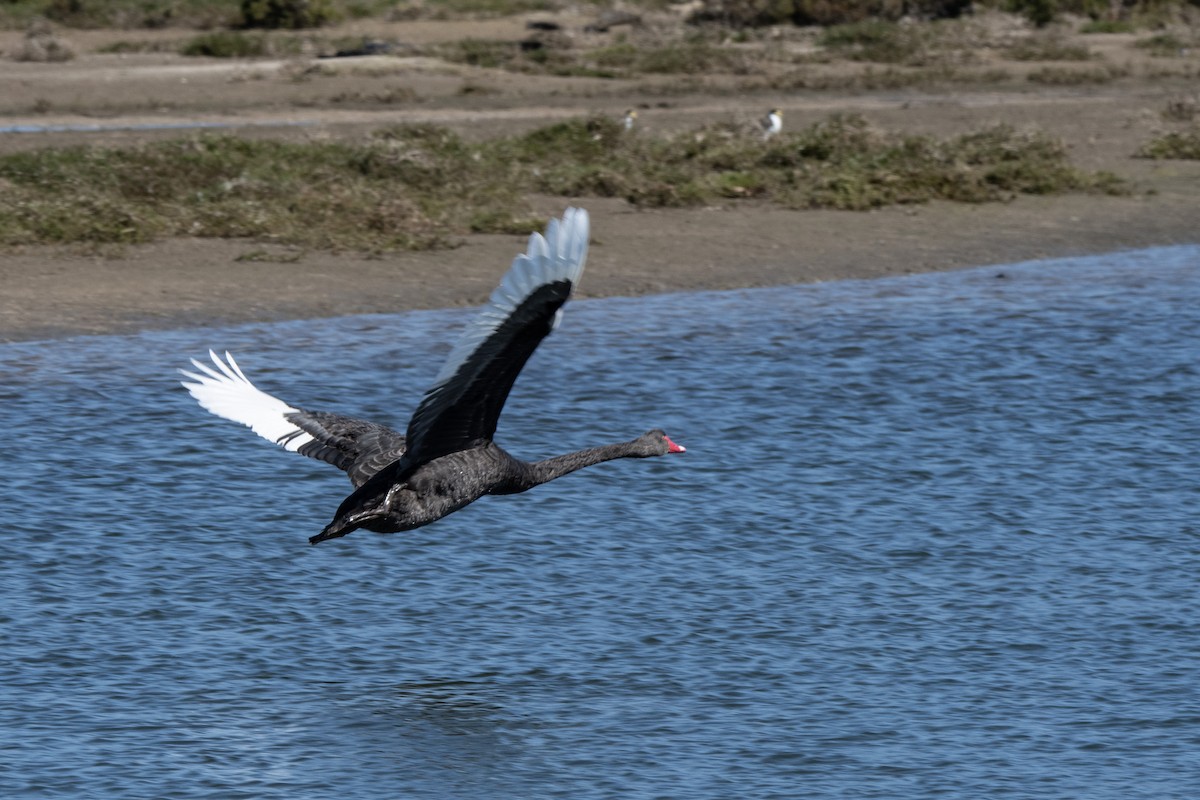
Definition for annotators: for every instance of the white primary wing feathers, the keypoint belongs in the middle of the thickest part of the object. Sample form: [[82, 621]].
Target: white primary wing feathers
[[228, 393], [559, 255]]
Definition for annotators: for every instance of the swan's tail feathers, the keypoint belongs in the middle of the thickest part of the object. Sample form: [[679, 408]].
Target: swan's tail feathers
[[225, 391]]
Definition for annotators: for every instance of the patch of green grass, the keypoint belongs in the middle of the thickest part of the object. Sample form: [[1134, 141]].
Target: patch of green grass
[[392, 95], [844, 163], [1067, 76], [1047, 47], [287, 14], [200, 14], [257, 44], [481, 53], [937, 43], [684, 57], [226, 44], [417, 186], [1176, 144], [326, 195], [1167, 45], [123, 14], [874, 40], [1107, 26], [840, 163]]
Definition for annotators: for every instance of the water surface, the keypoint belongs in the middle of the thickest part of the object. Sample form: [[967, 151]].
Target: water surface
[[933, 537]]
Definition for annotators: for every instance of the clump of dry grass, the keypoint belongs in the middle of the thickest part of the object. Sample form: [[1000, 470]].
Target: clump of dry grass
[[1183, 144], [1047, 46], [320, 195], [1070, 76], [914, 45], [42, 44], [1182, 109], [1175, 43], [645, 52], [227, 44]]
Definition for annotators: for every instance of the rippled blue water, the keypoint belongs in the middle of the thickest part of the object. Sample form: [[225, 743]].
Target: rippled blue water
[[933, 537]]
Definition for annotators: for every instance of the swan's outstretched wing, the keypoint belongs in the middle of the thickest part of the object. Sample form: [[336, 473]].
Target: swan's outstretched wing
[[358, 447], [463, 405]]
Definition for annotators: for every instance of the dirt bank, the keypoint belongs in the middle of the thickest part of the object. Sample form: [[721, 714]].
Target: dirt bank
[[57, 291]]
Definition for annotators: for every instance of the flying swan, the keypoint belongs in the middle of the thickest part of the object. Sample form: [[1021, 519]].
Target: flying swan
[[446, 459]]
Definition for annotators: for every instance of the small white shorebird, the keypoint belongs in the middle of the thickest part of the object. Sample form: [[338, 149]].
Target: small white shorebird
[[630, 118], [772, 123]]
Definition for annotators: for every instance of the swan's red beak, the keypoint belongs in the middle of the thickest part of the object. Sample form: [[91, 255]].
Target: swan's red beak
[[674, 448]]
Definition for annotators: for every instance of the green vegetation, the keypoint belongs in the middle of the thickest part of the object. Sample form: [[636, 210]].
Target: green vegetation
[[875, 40], [691, 55], [267, 14], [1067, 76], [735, 14], [1047, 47], [742, 13], [720, 39], [416, 186], [288, 14], [938, 43], [201, 14], [319, 195], [1168, 45], [226, 44], [1107, 26], [1183, 144], [127, 14]]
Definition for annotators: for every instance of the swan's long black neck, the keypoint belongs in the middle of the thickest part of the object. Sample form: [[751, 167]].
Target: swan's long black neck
[[534, 473]]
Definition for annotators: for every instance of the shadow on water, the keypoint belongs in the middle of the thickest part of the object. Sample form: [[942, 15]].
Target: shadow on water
[[434, 737]]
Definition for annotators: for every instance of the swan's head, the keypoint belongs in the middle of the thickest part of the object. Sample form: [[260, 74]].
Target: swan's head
[[656, 443]]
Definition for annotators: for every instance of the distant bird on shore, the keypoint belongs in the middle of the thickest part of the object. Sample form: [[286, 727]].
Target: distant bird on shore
[[630, 118], [772, 123], [447, 458]]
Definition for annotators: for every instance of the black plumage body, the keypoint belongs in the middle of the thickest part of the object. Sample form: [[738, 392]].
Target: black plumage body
[[404, 496]]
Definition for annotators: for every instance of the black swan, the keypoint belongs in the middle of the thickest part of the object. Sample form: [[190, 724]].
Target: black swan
[[447, 458]]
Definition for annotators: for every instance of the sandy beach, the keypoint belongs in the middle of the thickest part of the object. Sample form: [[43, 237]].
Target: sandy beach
[[61, 291]]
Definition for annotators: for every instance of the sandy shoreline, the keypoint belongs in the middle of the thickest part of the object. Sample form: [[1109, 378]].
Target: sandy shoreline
[[53, 292], [183, 283]]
